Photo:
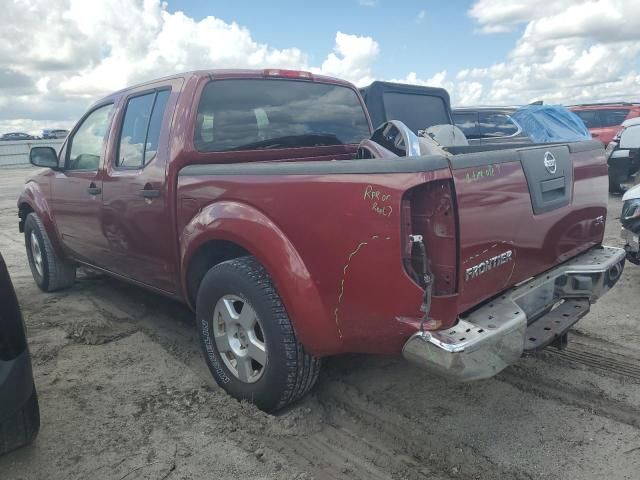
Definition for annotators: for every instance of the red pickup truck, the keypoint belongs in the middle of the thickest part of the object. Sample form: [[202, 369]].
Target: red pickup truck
[[264, 201]]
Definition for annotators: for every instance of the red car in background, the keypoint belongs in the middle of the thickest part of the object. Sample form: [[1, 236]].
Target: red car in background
[[604, 119]]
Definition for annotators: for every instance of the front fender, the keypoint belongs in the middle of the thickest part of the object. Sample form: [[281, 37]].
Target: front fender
[[36, 199], [255, 232]]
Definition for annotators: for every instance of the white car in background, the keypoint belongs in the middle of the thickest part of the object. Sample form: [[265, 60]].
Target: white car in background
[[55, 133], [623, 155]]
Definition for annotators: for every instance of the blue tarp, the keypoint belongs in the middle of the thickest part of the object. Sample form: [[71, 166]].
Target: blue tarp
[[550, 123]]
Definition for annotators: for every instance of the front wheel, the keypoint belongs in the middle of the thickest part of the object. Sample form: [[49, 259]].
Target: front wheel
[[49, 271], [247, 337]]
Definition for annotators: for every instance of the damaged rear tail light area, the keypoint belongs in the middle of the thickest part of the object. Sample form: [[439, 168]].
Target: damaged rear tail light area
[[430, 231]]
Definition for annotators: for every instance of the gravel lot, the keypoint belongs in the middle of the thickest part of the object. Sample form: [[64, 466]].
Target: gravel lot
[[125, 393]]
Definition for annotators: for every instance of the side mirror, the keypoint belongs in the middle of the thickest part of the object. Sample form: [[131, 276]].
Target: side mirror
[[44, 157]]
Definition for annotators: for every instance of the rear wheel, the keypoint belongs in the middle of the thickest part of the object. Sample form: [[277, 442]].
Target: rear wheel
[[247, 337], [49, 271]]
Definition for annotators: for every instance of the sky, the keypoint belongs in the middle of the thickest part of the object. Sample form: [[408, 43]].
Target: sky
[[59, 56]]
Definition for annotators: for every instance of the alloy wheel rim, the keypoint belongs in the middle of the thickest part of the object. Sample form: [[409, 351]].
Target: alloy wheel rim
[[36, 253], [239, 337]]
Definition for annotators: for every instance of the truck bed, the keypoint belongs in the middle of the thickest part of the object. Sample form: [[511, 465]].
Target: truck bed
[[349, 240]]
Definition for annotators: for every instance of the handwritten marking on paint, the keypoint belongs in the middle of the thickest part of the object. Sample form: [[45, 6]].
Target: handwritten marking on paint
[[378, 201], [482, 173], [360, 246]]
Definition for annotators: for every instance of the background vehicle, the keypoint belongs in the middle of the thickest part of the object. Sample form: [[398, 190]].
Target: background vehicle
[[20, 414], [623, 155], [604, 119], [630, 219], [244, 194], [54, 133], [489, 125], [17, 136]]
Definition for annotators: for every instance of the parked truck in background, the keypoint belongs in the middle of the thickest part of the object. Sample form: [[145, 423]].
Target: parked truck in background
[[264, 201]]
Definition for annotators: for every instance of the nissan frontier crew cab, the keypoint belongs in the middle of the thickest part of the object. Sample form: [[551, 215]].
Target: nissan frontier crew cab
[[263, 200]]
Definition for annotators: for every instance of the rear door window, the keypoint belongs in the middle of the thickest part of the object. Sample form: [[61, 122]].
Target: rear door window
[[269, 114], [468, 123], [613, 118], [141, 129], [418, 112], [494, 125], [591, 118]]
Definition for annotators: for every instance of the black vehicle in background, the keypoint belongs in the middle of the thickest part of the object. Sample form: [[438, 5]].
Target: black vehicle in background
[[489, 125], [19, 410], [417, 107], [17, 136]]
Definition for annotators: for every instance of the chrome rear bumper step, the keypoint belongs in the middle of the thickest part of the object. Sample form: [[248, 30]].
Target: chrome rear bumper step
[[494, 336]]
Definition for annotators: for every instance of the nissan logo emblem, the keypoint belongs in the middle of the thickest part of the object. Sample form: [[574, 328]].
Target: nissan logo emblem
[[550, 162]]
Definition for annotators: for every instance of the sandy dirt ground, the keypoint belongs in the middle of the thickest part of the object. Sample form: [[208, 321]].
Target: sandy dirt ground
[[125, 394]]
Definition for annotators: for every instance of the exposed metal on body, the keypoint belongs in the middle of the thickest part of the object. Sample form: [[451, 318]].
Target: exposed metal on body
[[239, 338], [36, 253], [492, 337]]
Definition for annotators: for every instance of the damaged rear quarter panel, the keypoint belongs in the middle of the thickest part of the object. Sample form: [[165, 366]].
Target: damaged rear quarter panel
[[345, 230]]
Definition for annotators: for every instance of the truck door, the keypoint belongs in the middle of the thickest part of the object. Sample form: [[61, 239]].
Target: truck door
[[77, 188], [136, 215]]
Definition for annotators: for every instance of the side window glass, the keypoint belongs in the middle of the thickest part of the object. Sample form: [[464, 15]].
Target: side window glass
[[613, 118], [467, 122], [134, 131], [496, 125], [141, 129], [155, 125], [87, 143], [589, 117]]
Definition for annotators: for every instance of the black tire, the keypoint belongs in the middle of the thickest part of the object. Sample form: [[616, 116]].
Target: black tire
[[21, 428], [57, 273], [614, 185], [289, 372]]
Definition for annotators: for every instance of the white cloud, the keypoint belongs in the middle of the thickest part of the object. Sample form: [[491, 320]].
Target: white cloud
[[352, 59], [58, 56], [368, 3], [569, 51]]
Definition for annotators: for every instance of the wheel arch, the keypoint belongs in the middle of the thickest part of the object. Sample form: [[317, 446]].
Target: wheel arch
[[32, 200], [240, 229]]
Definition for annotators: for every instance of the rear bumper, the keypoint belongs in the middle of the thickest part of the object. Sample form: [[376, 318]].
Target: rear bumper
[[526, 317]]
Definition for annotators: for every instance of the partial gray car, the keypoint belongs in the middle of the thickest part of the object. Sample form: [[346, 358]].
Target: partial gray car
[[19, 409]]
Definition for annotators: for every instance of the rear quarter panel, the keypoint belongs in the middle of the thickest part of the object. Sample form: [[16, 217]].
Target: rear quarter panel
[[330, 242]]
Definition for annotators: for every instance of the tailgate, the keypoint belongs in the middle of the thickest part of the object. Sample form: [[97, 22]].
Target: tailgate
[[521, 212]]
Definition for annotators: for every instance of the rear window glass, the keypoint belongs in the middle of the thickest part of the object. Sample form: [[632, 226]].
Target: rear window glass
[[266, 114], [612, 118], [467, 122], [494, 125], [418, 112], [590, 118]]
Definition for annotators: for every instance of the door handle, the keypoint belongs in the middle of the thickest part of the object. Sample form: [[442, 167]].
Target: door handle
[[150, 193], [93, 190]]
